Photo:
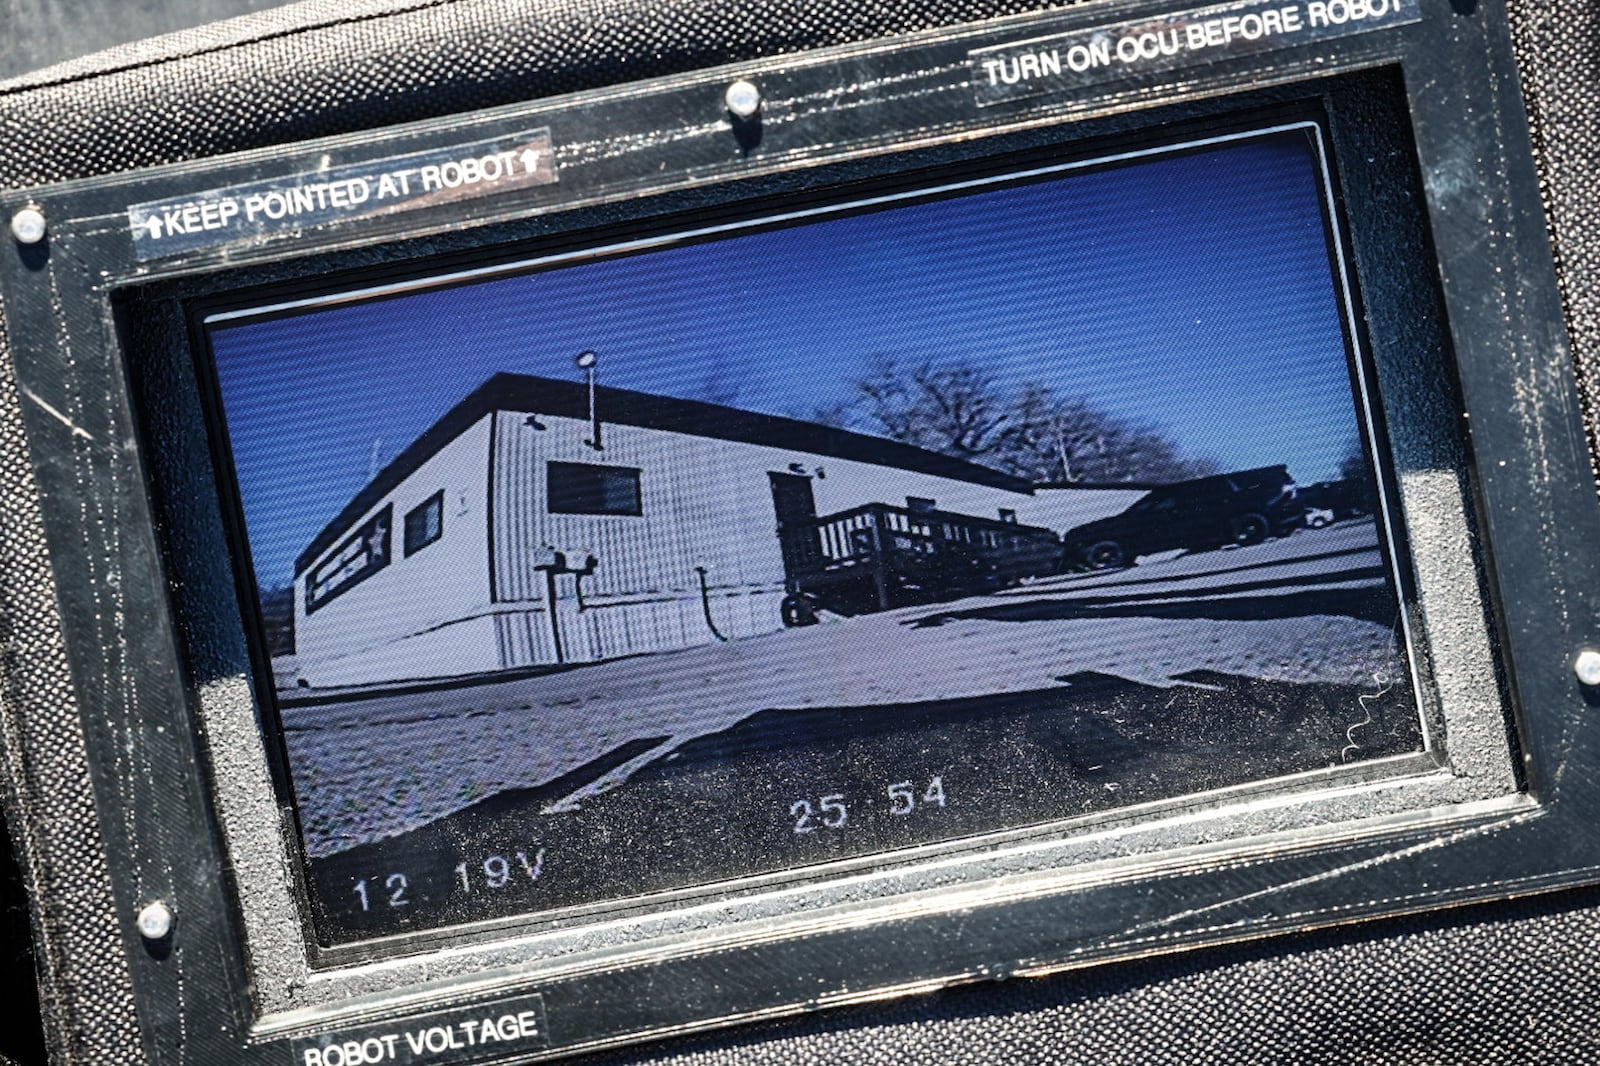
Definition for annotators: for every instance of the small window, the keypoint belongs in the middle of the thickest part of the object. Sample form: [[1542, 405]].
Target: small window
[[1008, 515], [1156, 501], [920, 505], [589, 488], [425, 523]]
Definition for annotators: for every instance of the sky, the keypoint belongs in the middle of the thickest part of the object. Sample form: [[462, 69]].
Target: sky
[[1190, 292]]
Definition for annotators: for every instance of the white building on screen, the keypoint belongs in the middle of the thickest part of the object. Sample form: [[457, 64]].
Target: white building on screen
[[507, 536]]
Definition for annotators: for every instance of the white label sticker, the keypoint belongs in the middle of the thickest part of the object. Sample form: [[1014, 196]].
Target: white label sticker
[[1168, 42], [337, 194], [444, 1038]]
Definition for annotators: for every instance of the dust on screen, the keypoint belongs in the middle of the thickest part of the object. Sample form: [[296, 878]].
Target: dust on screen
[[1034, 498]]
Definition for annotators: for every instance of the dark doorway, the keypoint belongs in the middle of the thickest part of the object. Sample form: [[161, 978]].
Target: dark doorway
[[795, 506]]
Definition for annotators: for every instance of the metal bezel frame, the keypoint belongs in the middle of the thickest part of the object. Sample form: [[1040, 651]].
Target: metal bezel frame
[[1473, 840], [1467, 760]]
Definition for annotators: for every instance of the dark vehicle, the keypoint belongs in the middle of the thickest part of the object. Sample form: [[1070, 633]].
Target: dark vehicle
[[1244, 507], [1333, 501]]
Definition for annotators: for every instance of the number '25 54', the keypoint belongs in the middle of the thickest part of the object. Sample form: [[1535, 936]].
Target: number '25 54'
[[830, 812]]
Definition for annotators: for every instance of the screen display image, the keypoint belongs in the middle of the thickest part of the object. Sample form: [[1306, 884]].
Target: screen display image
[[965, 510]]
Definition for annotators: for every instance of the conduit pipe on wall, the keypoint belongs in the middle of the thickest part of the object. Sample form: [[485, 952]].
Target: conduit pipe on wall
[[705, 603]]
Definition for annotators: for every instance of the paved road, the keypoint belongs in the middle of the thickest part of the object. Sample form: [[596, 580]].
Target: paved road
[[787, 789], [1311, 609]]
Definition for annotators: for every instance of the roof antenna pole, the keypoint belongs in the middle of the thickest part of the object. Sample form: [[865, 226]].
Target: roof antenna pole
[[586, 361], [1061, 447]]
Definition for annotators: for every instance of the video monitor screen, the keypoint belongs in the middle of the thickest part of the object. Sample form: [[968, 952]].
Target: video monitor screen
[[962, 510]]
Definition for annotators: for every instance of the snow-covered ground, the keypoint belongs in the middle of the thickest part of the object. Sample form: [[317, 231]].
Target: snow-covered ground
[[1311, 607]]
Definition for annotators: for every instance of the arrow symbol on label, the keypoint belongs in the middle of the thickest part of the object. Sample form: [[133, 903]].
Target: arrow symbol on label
[[530, 160], [153, 224]]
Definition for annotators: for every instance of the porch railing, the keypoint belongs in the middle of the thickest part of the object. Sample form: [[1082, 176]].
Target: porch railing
[[912, 555]]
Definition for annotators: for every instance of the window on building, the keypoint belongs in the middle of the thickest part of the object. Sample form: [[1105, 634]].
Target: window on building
[[589, 488], [363, 553], [425, 523], [920, 506], [1007, 514]]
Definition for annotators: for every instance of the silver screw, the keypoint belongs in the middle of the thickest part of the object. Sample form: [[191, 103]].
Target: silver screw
[[1587, 666], [28, 225], [155, 921], [742, 98]]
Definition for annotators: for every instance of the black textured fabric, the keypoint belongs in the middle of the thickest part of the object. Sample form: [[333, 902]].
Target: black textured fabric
[[348, 67], [1510, 983], [1558, 54], [1513, 984]]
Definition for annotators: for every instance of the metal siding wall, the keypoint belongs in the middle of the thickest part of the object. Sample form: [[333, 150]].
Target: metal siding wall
[[443, 582], [465, 646], [523, 638], [513, 475], [706, 502]]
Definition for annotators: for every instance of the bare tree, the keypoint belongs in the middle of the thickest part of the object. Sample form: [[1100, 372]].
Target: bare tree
[[956, 409], [1055, 440], [1354, 467], [277, 618], [718, 388]]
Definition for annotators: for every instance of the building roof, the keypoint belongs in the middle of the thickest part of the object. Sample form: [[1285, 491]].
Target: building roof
[[570, 399]]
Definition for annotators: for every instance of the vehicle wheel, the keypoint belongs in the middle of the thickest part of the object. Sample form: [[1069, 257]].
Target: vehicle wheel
[[798, 609], [1251, 529], [1317, 522], [1105, 555]]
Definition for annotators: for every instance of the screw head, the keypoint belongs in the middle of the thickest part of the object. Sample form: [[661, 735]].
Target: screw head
[[743, 99], [155, 921], [28, 225], [1587, 666]]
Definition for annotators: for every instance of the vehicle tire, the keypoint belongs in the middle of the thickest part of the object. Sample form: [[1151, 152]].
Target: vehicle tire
[[797, 610], [1251, 529], [1105, 555], [1317, 523]]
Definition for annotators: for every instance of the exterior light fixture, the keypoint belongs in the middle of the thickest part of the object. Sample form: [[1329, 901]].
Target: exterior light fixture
[[586, 361]]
